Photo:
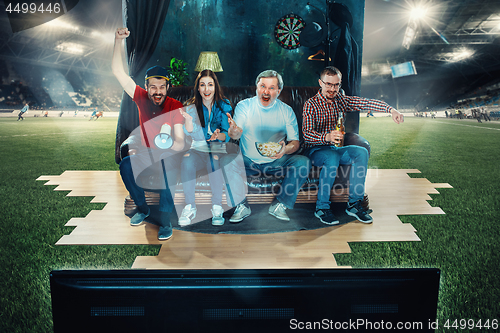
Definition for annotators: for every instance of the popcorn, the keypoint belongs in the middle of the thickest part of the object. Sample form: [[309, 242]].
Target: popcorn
[[268, 148]]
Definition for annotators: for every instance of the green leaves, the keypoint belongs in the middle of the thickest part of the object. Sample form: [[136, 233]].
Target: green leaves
[[178, 72]]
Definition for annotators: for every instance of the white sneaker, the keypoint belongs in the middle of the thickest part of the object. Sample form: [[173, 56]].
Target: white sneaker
[[278, 210], [241, 212], [217, 218], [188, 214]]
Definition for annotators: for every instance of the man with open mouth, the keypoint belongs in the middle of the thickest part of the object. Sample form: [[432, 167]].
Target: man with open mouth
[[157, 112], [256, 120]]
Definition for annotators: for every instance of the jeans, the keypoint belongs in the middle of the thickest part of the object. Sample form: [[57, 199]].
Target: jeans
[[193, 161], [294, 168], [166, 169], [233, 171], [329, 158]]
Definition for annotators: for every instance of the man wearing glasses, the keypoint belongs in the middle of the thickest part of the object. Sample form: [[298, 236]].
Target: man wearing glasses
[[320, 118]]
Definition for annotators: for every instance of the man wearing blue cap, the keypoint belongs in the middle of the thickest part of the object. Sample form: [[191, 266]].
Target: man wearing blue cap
[[157, 111]]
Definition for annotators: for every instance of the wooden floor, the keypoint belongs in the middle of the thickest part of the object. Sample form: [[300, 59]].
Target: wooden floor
[[391, 193]]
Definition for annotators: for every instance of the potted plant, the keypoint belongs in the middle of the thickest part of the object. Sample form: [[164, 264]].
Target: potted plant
[[178, 72]]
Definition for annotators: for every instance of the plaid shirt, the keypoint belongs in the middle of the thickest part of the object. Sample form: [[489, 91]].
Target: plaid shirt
[[320, 115]]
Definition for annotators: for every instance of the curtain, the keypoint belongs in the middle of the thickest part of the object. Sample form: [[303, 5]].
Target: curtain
[[144, 19], [346, 60]]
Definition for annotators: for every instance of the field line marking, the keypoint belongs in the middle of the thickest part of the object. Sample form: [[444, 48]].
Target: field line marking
[[48, 134], [444, 122]]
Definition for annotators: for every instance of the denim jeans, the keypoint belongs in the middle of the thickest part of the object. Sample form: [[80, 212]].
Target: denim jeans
[[166, 169], [294, 168], [194, 161], [233, 171], [329, 158]]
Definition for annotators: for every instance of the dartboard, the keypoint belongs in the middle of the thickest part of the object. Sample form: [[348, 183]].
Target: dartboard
[[287, 31]]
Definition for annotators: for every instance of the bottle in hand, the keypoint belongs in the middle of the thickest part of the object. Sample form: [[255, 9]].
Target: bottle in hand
[[340, 127]]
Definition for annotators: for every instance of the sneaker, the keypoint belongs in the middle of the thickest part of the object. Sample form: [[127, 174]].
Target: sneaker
[[278, 210], [241, 212], [356, 210], [165, 233], [326, 216], [138, 218], [217, 218], [188, 214]]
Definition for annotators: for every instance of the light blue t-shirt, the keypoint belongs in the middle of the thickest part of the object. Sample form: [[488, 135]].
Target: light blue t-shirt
[[261, 123]]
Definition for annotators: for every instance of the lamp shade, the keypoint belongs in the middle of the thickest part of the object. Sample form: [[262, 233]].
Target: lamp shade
[[208, 60]]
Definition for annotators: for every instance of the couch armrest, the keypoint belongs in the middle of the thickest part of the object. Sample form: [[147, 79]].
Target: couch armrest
[[354, 139], [132, 140]]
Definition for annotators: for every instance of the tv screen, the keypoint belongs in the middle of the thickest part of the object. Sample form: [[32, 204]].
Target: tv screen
[[403, 69], [244, 300]]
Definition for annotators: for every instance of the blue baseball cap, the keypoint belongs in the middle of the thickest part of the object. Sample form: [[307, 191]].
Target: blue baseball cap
[[157, 71]]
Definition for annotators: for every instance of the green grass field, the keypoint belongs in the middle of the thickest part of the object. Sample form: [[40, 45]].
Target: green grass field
[[463, 243]]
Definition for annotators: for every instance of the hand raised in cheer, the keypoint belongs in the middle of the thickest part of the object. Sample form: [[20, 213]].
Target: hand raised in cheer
[[234, 130], [188, 120], [122, 33], [186, 115]]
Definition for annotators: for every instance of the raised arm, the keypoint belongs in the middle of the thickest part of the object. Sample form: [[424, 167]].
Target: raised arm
[[117, 62], [188, 120], [234, 131], [367, 104]]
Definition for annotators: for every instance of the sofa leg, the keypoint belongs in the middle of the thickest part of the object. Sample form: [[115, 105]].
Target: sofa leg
[[153, 199], [366, 203], [130, 208]]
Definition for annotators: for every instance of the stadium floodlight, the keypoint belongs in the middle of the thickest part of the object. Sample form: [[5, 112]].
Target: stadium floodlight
[[418, 13], [411, 32], [61, 25], [461, 54], [496, 28], [68, 47]]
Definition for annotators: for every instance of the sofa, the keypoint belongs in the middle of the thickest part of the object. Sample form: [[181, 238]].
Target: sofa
[[260, 189]]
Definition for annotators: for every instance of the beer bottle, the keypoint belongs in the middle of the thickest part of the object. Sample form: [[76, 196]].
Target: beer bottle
[[340, 127]]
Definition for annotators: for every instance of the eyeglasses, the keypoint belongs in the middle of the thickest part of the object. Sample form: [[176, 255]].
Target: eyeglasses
[[331, 85]]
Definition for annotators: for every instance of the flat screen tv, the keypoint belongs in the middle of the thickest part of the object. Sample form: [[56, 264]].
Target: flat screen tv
[[244, 300], [403, 69]]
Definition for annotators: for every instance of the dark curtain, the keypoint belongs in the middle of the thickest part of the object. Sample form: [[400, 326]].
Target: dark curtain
[[144, 19], [346, 60]]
